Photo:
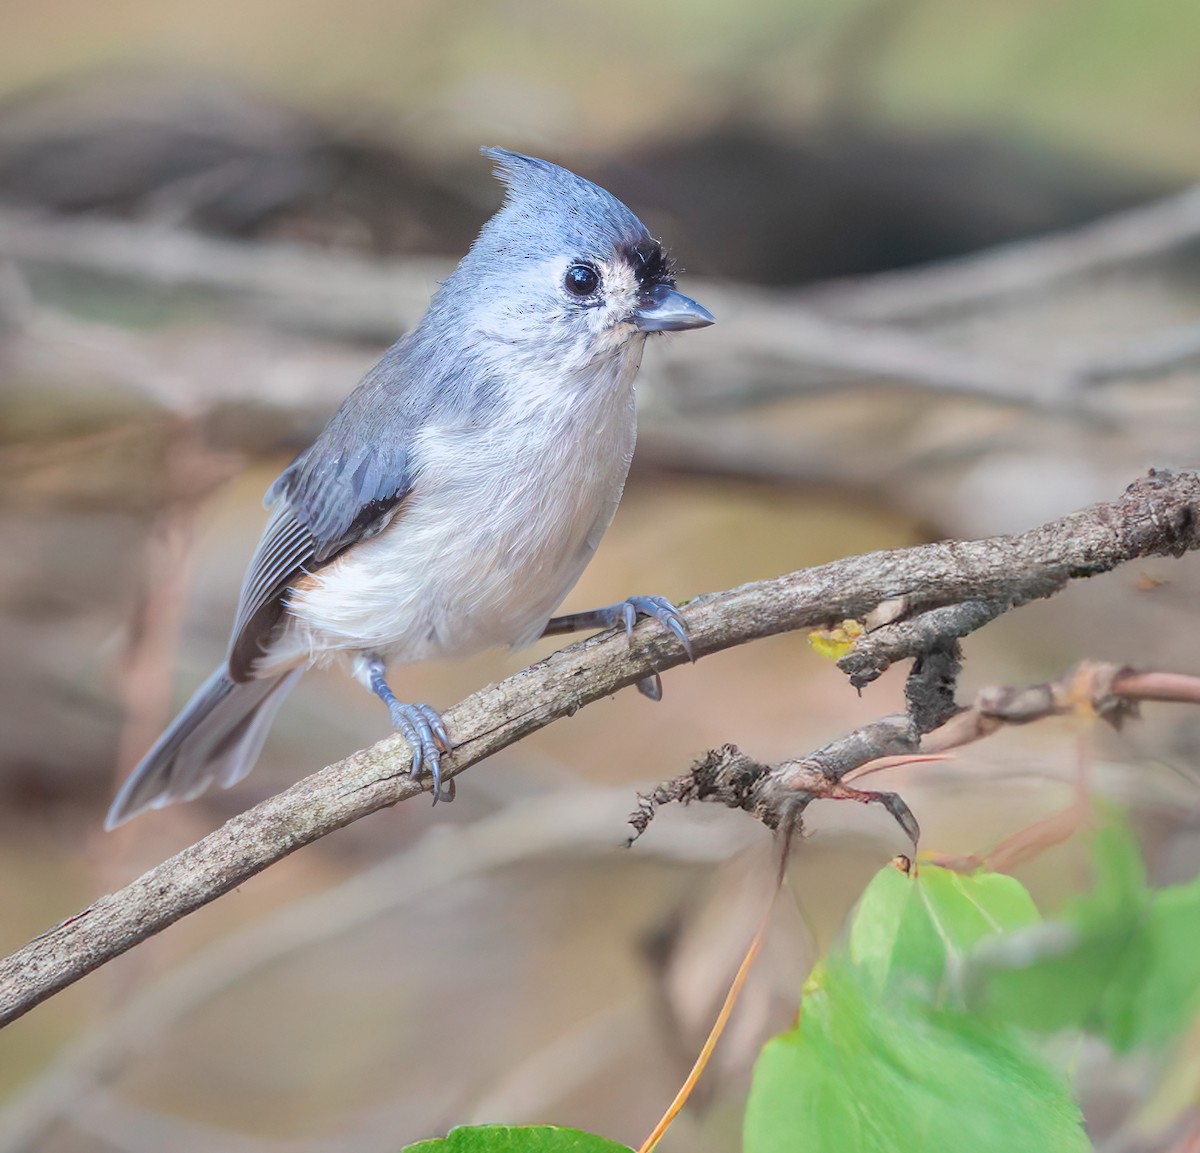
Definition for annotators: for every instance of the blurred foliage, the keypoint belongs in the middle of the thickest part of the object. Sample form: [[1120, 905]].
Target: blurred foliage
[[1119, 961], [1114, 77]]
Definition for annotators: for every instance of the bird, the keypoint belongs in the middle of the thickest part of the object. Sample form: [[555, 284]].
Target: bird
[[456, 496]]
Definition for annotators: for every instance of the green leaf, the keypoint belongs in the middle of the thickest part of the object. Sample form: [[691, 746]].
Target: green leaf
[[876, 1074], [1063, 974], [516, 1139], [911, 934], [1120, 961], [1164, 995]]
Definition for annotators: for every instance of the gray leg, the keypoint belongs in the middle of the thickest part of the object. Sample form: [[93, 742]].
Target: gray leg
[[419, 725], [626, 612]]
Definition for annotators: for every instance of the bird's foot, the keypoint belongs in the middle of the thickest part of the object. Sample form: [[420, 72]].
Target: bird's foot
[[422, 727], [626, 612], [425, 731], [667, 615], [656, 608]]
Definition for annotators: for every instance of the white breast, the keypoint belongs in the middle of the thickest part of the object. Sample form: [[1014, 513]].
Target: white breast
[[501, 522]]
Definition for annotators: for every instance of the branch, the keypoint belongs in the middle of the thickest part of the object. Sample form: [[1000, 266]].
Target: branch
[[299, 286], [1157, 515], [791, 350], [778, 794], [782, 344], [874, 653], [1025, 266], [576, 819], [360, 297]]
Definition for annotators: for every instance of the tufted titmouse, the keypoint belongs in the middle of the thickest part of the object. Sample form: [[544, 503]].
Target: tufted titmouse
[[459, 492]]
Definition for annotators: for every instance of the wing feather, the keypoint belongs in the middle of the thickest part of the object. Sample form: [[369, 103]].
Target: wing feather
[[322, 504], [286, 548], [345, 488]]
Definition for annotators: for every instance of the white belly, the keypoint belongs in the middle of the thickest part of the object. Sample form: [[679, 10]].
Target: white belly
[[498, 529]]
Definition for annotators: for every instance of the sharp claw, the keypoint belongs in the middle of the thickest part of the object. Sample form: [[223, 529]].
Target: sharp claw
[[435, 771], [439, 730], [629, 612], [676, 625], [651, 687]]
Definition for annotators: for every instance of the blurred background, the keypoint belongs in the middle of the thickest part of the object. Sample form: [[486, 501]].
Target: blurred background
[[954, 251]]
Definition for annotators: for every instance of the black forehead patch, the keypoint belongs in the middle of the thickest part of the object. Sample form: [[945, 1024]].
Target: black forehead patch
[[650, 262]]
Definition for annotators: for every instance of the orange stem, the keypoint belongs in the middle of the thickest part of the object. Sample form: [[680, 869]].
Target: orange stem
[[718, 1028]]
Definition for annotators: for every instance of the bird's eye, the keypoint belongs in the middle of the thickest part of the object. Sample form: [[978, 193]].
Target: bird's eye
[[581, 279]]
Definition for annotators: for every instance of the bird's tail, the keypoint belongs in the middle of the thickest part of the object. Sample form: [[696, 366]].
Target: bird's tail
[[216, 738]]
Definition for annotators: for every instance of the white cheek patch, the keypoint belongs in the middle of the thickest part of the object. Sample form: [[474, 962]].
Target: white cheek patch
[[620, 299]]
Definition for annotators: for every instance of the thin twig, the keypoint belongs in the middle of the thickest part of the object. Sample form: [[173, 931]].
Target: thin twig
[[1023, 267], [714, 1034], [879, 649], [779, 794]]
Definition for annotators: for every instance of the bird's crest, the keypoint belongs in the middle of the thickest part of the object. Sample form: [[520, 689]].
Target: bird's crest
[[569, 213]]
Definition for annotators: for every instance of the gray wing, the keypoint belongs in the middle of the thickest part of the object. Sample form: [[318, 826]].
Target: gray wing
[[343, 489], [286, 549]]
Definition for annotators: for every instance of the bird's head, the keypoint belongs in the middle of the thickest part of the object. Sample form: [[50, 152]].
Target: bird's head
[[565, 268]]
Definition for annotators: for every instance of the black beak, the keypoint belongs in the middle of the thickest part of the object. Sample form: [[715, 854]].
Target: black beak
[[662, 309]]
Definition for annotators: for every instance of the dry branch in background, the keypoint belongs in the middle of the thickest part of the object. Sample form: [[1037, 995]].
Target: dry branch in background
[[1158, 515], [293, 284], [1140, 233], [779, 794], [786, 343], [353, 298]]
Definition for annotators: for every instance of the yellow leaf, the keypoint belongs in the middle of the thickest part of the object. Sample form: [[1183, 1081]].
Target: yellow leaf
[[836, 642]]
